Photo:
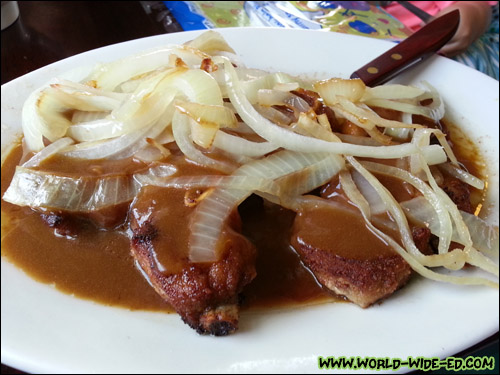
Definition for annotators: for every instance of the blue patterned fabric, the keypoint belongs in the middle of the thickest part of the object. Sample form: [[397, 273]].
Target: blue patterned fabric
[[482, 55]]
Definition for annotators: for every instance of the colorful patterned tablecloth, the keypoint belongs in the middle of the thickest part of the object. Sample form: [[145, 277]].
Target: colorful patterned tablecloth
[[350, 17]]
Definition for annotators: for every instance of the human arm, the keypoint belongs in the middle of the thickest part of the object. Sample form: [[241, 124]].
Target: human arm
[[475, 17]]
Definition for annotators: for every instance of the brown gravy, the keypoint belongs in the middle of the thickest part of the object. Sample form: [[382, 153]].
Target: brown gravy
[[98, 265]]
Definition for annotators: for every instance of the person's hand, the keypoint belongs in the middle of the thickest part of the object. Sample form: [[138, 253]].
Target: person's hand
[[475, 17]]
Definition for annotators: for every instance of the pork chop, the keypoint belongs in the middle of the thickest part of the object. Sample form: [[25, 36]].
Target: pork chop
[[345, 256], [205, 295]]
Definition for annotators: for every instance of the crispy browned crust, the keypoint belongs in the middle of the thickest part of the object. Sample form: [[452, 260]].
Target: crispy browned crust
[[363, 282], [459, 193], [313, 99], [204, 295], [422, 238]]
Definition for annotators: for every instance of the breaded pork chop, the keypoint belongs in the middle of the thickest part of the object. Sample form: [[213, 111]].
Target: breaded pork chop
[[205, 295], [346, 257]]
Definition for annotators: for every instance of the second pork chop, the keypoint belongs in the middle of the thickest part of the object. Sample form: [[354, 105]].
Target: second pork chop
[[345, 256]]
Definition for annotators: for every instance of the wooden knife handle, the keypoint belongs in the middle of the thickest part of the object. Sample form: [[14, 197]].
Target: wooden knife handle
[[411, 51]]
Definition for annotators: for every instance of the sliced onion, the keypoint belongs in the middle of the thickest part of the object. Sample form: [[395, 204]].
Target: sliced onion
[[452, 210], [437, 105], [252, 86], [324, 122], [136, 122], [208, 115], [433, 112], [269, 98], [351, 190], [357, 140], [392, 92], [212, 212], [120, 147], [42, 190], [432, 275], [331, 89], [462, 175], [181, 128], [153, 151], [97, 130], [311, 127], [150, 102], [275, 116], [203, 135], [109, 76], [484, 236], [292, 141], [453, 260], [365, 117], [379, 137], [242, 146], [392, 207], [196, 85], [149, 154], [207, 120], [308, 179], [82, 99], [445, 224], [31, 123], [140, 111], [289, 86], [377, 205], [52, 121], [207, 223], [401, 134], [210, 42], [213, 181], [70, 87], [48, 151], [85, 116]]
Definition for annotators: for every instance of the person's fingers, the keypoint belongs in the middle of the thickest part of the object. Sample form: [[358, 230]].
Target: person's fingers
[[453, 48]]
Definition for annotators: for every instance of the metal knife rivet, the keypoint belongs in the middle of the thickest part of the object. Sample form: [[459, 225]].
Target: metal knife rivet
[[372, 70], [396, 56]]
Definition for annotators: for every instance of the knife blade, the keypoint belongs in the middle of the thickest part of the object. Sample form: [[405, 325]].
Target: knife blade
[[411, 51]]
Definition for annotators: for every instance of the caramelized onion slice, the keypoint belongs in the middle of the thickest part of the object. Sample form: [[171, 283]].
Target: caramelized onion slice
[[120, 147], [287, 139], [182, 134], [331, 89], [207, 119]]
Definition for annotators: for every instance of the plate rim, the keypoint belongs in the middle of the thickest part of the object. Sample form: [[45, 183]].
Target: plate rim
[[6, 355]]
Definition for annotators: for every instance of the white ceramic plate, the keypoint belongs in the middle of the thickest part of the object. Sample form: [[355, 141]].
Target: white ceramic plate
[[43, 330]]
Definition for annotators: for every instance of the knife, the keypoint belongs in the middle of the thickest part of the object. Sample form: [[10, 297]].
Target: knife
[[411, 51]]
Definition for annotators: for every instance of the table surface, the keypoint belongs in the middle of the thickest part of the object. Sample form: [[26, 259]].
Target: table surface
[[48, 31]]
